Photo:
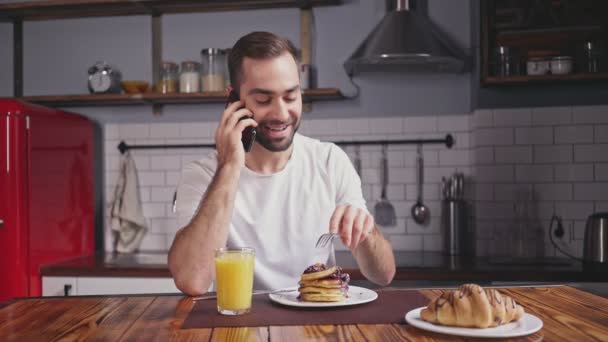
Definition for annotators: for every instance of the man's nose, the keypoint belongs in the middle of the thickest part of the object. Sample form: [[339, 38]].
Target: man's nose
[[281, 110]]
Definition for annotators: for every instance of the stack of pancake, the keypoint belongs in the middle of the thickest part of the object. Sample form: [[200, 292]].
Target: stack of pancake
[[321, 284]]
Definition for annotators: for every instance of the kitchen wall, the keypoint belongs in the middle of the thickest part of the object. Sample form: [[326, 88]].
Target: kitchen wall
[[159, 170], [522, 166]]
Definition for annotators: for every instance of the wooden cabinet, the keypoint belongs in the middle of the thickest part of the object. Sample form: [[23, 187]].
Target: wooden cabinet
[[86, 286], [543, 30]]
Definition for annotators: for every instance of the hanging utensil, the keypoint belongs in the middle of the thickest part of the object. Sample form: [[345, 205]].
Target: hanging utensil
[[420, 212], [384, 212]]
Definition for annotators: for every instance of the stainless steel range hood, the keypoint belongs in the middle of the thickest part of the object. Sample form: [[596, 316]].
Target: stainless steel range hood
[[405, 40]]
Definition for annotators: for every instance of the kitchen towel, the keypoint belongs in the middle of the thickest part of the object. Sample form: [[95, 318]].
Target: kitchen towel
[[126, 214], [389, 308]]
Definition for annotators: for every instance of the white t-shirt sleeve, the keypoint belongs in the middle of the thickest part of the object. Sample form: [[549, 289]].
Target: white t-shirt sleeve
[[348, 183], [195, 179]]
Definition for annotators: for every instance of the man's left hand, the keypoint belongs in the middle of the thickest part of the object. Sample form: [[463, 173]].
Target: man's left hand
[[353, 225]]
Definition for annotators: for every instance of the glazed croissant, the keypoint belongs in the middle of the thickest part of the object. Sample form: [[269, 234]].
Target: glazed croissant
[[473, 307]]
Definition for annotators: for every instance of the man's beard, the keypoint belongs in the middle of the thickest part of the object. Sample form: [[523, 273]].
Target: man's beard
[[276, 145]]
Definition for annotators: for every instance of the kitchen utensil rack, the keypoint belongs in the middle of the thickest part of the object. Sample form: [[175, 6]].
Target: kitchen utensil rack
[[448, 141]]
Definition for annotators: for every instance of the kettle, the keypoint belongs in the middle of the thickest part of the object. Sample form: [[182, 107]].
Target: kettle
[[595, 248]]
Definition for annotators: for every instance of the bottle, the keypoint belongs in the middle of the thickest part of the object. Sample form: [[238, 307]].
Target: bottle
[[189, 77], [213, 69]]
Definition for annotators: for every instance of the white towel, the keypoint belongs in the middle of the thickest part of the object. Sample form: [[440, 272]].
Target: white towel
[[126, 215]]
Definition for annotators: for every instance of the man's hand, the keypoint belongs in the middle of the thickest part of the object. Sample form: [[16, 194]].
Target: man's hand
[[353, 225], [228, 143]]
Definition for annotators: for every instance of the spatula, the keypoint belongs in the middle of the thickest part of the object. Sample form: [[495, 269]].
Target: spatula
[[384, 212]]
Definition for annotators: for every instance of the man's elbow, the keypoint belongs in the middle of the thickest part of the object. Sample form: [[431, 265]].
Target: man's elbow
[[387, 277], [190, 287]]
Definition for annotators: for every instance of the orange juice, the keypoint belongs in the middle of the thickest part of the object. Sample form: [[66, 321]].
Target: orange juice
[[234, 280]]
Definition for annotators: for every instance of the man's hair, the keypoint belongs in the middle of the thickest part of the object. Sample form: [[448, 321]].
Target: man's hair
[[256, 45]]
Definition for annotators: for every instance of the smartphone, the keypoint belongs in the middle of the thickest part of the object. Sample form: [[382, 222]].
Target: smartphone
[[249, 133]]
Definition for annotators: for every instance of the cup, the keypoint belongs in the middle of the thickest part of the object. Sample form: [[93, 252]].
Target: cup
[[561, 65], [234, 280]]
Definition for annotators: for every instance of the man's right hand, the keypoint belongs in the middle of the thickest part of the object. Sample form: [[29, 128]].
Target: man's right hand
[[228, 143]]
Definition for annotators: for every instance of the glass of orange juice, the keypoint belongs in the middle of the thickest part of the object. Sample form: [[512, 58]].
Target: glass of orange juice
[[234, 280]]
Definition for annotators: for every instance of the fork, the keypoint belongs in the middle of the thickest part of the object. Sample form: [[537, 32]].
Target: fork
[[325, 239]]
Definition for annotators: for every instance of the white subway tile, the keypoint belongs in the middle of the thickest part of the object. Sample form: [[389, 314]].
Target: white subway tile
[[491, 174], [601, 206], [550, 116], [162, 194], [462, 140], [394, 192], [573, 172], [172, 178], [420, 124], [453, 123], [484, 229], [142, 162], [398, 228], [601, 133], [197, 129], [112, 163], [386, 126], [483, 155], [494, 210], [407, 242], [111, 177], [432, 243], [591, 191], [395, 158], [153, 242], [553, 154], [512, 117], [163, 225], [164, 130], [573, 134], [134, 131], [346, 127], [511, 154], [150, 178], [534, 135], [454, 157], [372, 176], [110, 147], [432, 227], [484, 192], [434, 174], [601, 172], [554, 191], [144, 194], [579, 229], [400, 175], [509, 192], [154, 210], [429, 158], [110, 132], [534, 173], [429, 192], [590, 114], [482, 118], [545, 209], [165, 162], [493, 136], [591, 153], [572, 210]]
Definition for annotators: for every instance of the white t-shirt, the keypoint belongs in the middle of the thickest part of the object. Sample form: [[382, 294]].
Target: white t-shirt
[[280, 215]]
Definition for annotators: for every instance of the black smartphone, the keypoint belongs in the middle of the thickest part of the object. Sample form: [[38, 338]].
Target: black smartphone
[[248, 137]]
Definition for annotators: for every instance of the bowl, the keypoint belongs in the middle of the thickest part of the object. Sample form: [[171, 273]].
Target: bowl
[[134, 87]]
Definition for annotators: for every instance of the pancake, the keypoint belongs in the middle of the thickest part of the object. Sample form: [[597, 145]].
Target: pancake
[[319, 297], [320, 290], [321, 284], [325, 283], [320, 274]]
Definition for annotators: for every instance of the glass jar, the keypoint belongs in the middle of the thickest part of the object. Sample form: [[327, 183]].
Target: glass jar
[[167, 82], [189, 77], [213, 69], [227, 70]]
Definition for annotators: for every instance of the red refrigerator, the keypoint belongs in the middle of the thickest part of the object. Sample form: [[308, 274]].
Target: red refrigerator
[[46, 192]]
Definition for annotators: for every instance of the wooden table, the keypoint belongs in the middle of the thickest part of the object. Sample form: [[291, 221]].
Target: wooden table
[[568, 315]]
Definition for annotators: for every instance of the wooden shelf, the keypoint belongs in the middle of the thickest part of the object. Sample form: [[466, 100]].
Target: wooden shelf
[[310, 95], [525, 79], [61, 9]]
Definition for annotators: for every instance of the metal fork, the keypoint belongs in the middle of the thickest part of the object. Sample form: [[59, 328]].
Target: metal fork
[[325, 239]]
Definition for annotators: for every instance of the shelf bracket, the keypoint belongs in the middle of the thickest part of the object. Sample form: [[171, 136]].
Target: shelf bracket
[[306, 45]]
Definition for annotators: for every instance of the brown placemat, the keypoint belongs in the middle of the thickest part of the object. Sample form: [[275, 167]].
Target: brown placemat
[[390, 307]]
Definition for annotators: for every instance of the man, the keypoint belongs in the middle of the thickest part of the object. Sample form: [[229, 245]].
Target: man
[[279, 197]]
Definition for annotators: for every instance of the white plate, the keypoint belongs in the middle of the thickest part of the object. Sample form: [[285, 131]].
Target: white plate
[[527, 325], [357, 295]]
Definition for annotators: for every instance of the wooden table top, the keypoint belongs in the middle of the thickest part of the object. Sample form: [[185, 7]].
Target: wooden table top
[[568, 314]]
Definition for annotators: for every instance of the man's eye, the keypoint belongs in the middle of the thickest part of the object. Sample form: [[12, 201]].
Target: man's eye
[[290, 99], [262, 101]]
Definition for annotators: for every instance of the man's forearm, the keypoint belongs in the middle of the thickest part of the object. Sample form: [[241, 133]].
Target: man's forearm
[[376, 259], [192, 253]]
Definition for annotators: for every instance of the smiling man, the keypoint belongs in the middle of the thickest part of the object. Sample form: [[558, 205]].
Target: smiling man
[[279, 197]]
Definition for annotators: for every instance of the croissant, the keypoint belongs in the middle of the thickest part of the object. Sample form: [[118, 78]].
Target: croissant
[[473, 307]]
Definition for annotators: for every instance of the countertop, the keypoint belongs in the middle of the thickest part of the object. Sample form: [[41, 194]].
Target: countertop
[[568, 314], [410, 266]]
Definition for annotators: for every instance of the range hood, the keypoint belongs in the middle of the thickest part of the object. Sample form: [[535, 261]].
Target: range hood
[[405, 40]]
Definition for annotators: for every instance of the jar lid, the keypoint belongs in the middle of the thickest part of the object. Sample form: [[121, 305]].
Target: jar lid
[[212, 51], [168, 65], [190, 64]]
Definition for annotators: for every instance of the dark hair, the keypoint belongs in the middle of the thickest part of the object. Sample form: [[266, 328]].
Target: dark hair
[[256, 45]]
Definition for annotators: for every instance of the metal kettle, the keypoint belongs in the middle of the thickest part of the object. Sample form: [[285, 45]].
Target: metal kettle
[[595, 248]]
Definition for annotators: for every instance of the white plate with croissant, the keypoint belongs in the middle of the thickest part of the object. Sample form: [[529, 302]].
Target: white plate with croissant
[[474, 312]]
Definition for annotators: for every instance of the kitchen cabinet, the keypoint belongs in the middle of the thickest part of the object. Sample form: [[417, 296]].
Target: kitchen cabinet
[[61, 9], [521, 41], [87, 286]]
